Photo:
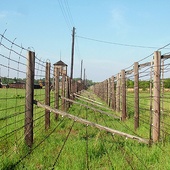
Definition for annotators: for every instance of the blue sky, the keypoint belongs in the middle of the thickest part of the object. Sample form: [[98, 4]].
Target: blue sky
[[46, 26]]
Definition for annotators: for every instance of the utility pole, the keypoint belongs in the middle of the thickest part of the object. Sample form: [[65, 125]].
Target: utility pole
[[81, 70], [72, 53]]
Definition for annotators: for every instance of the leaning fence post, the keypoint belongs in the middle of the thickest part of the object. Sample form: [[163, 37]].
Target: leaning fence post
[[156, 96], [136, 95], [123, 82], [29, 98], [47, 95]]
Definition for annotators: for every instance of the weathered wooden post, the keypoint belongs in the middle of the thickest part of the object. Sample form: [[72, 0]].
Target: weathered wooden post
[[60, 69], [56, 89], [151, 104], [63, 92], [101, 91], [109, 91], [136, 95], [118, 93], [29, 98], [47, 95], [67, 92], [113, 93], [123, 98], [156, 96], [106, 91]]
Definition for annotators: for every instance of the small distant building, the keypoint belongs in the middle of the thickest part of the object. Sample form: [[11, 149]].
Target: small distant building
[[62, 66], [17, 85]]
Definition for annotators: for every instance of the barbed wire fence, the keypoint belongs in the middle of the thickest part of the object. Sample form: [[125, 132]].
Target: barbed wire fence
[[141, 93], [25, 79], [34, 94]]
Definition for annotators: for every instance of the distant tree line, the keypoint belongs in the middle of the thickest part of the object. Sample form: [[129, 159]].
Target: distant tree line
[[5, 80], [143, 84]]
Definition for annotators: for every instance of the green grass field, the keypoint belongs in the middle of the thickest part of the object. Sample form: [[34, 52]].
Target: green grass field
[[69, 145]]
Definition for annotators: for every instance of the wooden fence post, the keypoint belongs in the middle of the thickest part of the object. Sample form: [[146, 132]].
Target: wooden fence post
[[118, 93], [63, 92], [47, 95], [123, 85], [106, 91], [151, 104], [67, 92], [113, 94], [56, 88], [109, 91], [156, 96], [29, 98], [102, 86], [136, 95]]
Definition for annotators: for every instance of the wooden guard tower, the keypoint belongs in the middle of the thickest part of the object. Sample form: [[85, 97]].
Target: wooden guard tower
[[62, 67]]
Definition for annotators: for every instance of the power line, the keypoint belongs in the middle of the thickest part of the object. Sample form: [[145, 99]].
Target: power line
[[119, 44], [69, 12], [67, 20], [163, 47]]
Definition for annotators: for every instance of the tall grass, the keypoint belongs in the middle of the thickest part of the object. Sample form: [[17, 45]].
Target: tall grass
[[85, 147]]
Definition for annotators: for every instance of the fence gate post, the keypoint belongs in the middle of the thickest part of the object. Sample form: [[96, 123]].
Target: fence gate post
[[29, 98], [136, 95], [47, 95], [118, 93], [123, 81], [56, 88], [156, 96]]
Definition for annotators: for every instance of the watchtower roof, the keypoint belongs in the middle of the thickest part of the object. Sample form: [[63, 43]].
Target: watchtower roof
[[60, 63]]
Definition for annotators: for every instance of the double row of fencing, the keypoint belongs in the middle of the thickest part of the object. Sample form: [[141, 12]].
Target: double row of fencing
[[21, 68], [116, 93]]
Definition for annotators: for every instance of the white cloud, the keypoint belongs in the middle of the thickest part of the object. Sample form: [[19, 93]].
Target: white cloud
[[117, 15], [119, 21], [3, 14]]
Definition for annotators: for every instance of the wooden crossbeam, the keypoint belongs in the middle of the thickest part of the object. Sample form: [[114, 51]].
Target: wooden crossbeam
[[92, 108], [94, 104], [93, 101], [92, 124]]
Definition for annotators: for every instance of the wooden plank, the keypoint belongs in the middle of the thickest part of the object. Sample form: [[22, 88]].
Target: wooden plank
[[92, 124], [100, 111], [94, 104], [87, 98]]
